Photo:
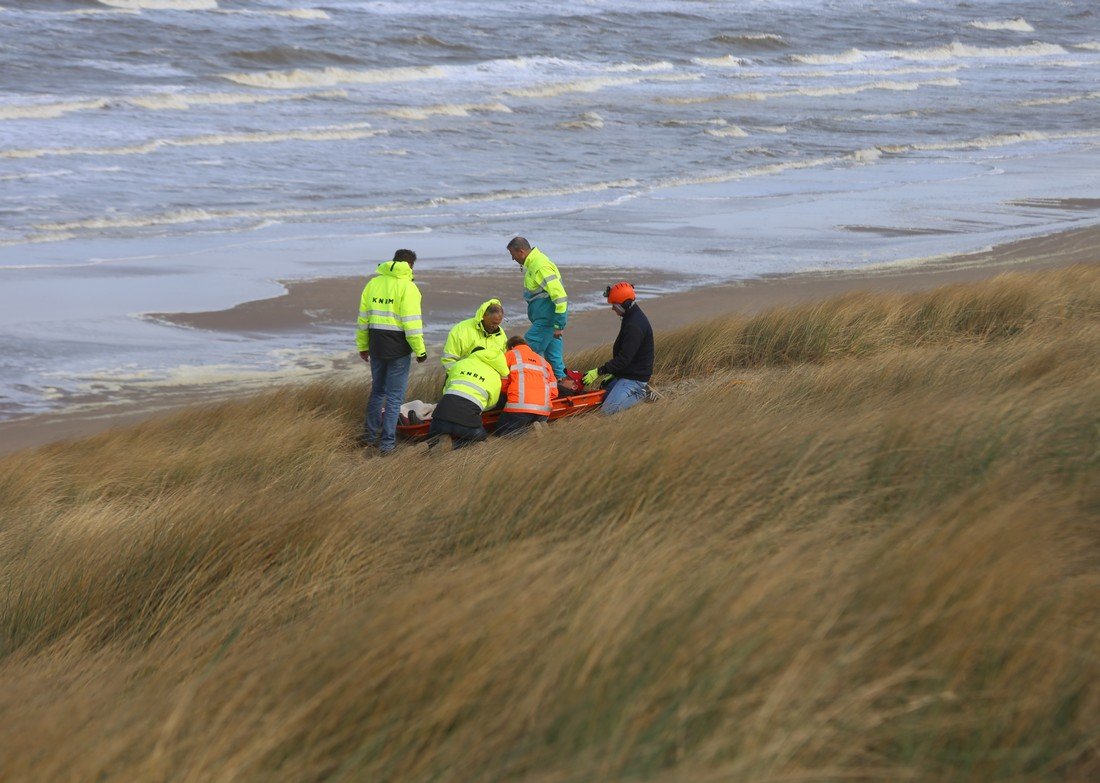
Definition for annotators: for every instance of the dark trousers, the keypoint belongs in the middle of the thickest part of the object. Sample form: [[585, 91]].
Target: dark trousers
[[516, 423], [460, 435]]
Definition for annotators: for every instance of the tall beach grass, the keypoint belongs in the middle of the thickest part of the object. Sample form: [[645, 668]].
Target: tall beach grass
[[856, 540]]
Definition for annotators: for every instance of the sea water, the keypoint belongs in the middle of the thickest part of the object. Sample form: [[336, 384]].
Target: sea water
[[184, 155]]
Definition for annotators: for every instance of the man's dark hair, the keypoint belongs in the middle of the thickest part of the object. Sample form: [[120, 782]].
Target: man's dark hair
[[407, 256], [514, 341], [494, 308], [519, 243]]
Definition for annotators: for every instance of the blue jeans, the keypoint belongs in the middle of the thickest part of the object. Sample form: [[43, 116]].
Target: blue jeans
[[389, 381], [622, 394]]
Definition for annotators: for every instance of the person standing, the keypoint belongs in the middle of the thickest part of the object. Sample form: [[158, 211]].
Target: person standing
[[481, 331], [631, 364], [473, 387], [528, 391], [391, 330], [547, 303]]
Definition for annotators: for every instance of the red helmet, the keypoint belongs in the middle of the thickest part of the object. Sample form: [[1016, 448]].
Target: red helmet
[[619, 293]]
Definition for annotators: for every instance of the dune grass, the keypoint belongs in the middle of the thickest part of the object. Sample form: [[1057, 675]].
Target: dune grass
[[857, 540]]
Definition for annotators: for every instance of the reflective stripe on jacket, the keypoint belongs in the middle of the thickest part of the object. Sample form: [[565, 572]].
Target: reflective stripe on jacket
[[477, 377], [542, 280], [530, 385], [391, 303], [469, 334]]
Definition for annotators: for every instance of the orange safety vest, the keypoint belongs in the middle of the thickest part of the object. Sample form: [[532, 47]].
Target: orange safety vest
[[530, 385]]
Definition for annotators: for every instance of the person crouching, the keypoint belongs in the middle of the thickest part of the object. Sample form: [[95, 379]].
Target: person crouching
[[472, 387], [528, 390]]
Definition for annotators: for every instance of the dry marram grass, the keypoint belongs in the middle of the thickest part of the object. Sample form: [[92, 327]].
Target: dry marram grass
[[874, 557]]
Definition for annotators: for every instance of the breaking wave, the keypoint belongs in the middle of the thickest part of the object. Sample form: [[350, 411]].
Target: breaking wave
[[731, 132], [954, 50], [1016, 24], [593, 84], [590, 120], [153, 102], [445, 110], [183, 216], [290, 13], [301, 77], [327, 133], [1061, 101], [812, 92], [994, 140], [759, 41], [161, 5], [729, 61]]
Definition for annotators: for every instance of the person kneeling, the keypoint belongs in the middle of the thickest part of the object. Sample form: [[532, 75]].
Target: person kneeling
[[527, 391], [473, 387]]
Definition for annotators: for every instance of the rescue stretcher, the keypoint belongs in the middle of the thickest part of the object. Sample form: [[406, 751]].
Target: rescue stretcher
[[559, 409]]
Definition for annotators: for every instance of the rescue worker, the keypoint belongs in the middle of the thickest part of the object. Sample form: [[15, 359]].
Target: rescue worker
[[547, 302], [391, 329], [473, 387], [483, 330], [631, 364], [527, 391]]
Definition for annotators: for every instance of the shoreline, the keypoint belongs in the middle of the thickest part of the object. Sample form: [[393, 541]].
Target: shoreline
[[315, 303]]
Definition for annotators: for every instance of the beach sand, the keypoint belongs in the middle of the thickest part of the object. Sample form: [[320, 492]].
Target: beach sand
[[448, 296]]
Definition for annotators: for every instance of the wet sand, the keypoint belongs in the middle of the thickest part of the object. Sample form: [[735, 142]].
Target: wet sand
[[324, 303]]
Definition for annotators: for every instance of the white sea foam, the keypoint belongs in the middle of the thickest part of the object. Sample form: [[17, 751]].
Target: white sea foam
[[326, 133], [1016, 24], [301, 77], [813, 92], [844, 58], [867, 156], [773, 128], [34, 239], [662, 65], [593, 84], [1062, 100], [445, 110], [292, 13], [36, 175], [731, 132], [1092, 46], [590, 120], [729, 61], [754, 171], [917, 69], [161, 5], [184, 216], [168, 101], [994, 140], [966, 51]]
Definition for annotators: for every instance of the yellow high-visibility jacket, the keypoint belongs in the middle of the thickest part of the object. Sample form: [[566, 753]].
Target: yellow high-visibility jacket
[[390, 322], [477, 377], [469, 334], [543, 289]]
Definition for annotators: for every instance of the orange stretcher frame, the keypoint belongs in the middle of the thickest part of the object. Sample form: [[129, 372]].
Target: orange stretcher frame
[[559, 409]]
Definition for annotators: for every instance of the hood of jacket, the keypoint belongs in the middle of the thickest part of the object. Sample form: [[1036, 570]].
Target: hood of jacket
[[400, 269], [480, 314]]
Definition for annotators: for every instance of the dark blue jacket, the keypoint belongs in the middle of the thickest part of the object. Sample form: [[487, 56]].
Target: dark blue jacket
[[632, 356]]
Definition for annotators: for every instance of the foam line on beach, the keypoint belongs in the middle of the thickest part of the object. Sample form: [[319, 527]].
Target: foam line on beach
[[196, 215], [324, 133], [169, 101]]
